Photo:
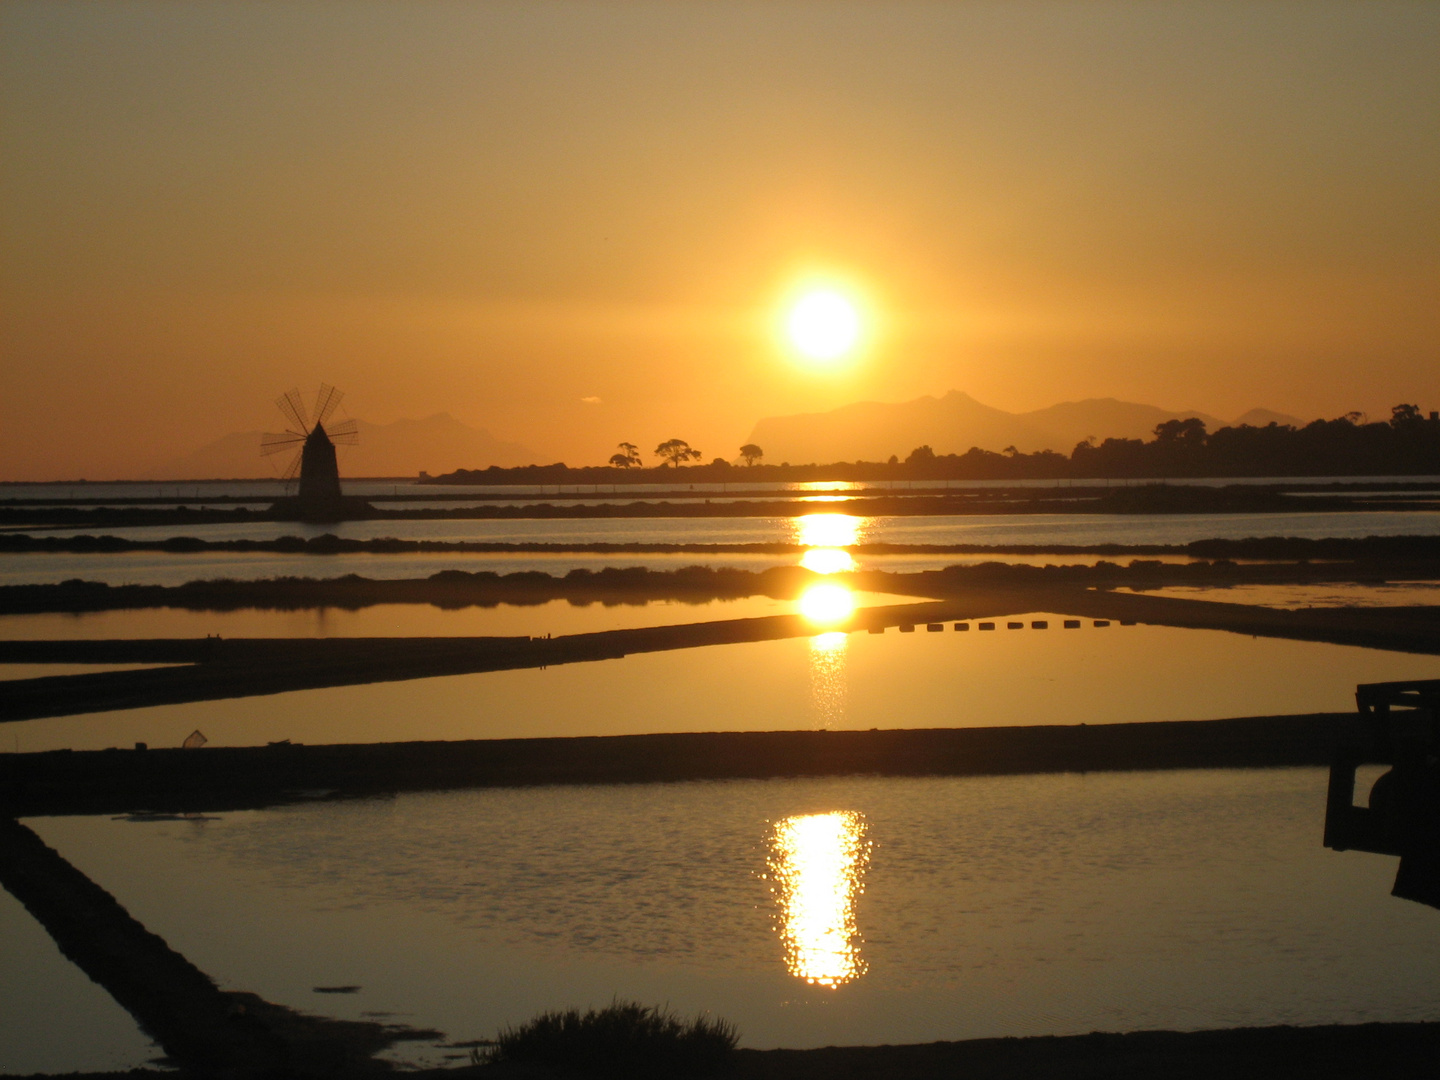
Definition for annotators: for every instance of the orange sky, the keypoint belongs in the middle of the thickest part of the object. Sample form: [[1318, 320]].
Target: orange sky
[[502, 209]]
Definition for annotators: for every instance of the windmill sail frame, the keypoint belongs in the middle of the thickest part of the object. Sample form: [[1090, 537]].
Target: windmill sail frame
[[292, 407], [314, 460]]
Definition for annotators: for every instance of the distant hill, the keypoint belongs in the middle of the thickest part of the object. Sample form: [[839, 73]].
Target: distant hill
[[437, 443], [872, 431], [1262, 417]]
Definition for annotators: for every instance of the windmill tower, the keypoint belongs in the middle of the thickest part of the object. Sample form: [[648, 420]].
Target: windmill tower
[[314, 461]]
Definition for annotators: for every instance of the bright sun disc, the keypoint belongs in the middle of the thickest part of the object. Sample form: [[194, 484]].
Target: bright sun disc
[[823, 325]]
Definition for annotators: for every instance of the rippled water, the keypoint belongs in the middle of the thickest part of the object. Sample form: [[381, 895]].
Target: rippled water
[[810, 912], [272, 489], [919, 529], [977, 907], [830, 530]]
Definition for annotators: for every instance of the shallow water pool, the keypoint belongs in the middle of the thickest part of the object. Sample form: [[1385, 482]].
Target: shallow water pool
[[835, 911], [971, 678]]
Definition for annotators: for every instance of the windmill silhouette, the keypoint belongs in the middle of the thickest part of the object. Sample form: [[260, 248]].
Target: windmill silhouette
[[314, 458]]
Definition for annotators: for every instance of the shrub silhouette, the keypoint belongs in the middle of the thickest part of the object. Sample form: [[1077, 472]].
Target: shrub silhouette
[[624, 1039]]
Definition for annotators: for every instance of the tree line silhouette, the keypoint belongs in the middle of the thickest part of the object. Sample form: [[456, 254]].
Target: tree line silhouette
[[1408, 444], [676, 452], [672, 452]]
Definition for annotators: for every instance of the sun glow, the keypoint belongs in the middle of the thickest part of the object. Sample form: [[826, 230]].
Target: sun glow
[[823, 324]]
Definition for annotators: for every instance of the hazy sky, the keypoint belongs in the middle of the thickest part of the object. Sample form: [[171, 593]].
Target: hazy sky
[[503, 209]]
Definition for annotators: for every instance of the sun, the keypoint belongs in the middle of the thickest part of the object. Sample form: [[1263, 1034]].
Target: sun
[[823, 324]]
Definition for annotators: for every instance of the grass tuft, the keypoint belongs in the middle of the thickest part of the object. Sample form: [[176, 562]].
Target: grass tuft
[[624, 1039]]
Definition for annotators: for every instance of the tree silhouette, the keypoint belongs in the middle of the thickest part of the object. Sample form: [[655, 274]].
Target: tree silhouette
[[1191, 431], [751, 453], [627, 458], [676, 452]]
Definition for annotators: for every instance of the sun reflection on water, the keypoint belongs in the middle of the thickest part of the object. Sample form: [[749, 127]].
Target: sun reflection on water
[[827, 561], [828, 530], [827, 605], [827, 485], [817, 866], [827, 536], [827, 678]]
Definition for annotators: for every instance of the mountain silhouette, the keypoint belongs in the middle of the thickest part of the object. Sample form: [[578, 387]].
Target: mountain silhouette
[[1262, 417], [872, 431], [437, 443]]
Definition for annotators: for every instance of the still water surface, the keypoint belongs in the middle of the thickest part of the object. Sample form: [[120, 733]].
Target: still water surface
[[838, 911], [1323, 595], [1115, 674], [553, 617]]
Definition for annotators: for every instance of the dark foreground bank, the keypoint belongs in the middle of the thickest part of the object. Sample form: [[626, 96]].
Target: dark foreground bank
[[1398, 1051], [234, 778], [1317, 1053]]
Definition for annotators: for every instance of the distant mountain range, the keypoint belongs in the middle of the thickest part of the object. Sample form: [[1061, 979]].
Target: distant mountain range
[[437, 444], [869, 431], [872, 431]]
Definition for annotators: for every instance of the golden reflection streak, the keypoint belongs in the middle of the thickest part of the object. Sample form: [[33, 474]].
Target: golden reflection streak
[[816, 867], [827, 678], [827, 485]]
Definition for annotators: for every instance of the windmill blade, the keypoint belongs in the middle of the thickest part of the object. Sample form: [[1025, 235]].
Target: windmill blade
[[293, 469], [292, 406], [346, 433], [326, 401], [271, 443]]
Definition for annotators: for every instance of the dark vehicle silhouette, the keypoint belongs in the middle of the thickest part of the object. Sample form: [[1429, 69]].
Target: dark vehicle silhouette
[[1401, 729]]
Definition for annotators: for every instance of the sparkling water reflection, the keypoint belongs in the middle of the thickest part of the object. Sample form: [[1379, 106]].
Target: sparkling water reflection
[[817, 867], [829, 530], [827, 536], [827, 678]]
